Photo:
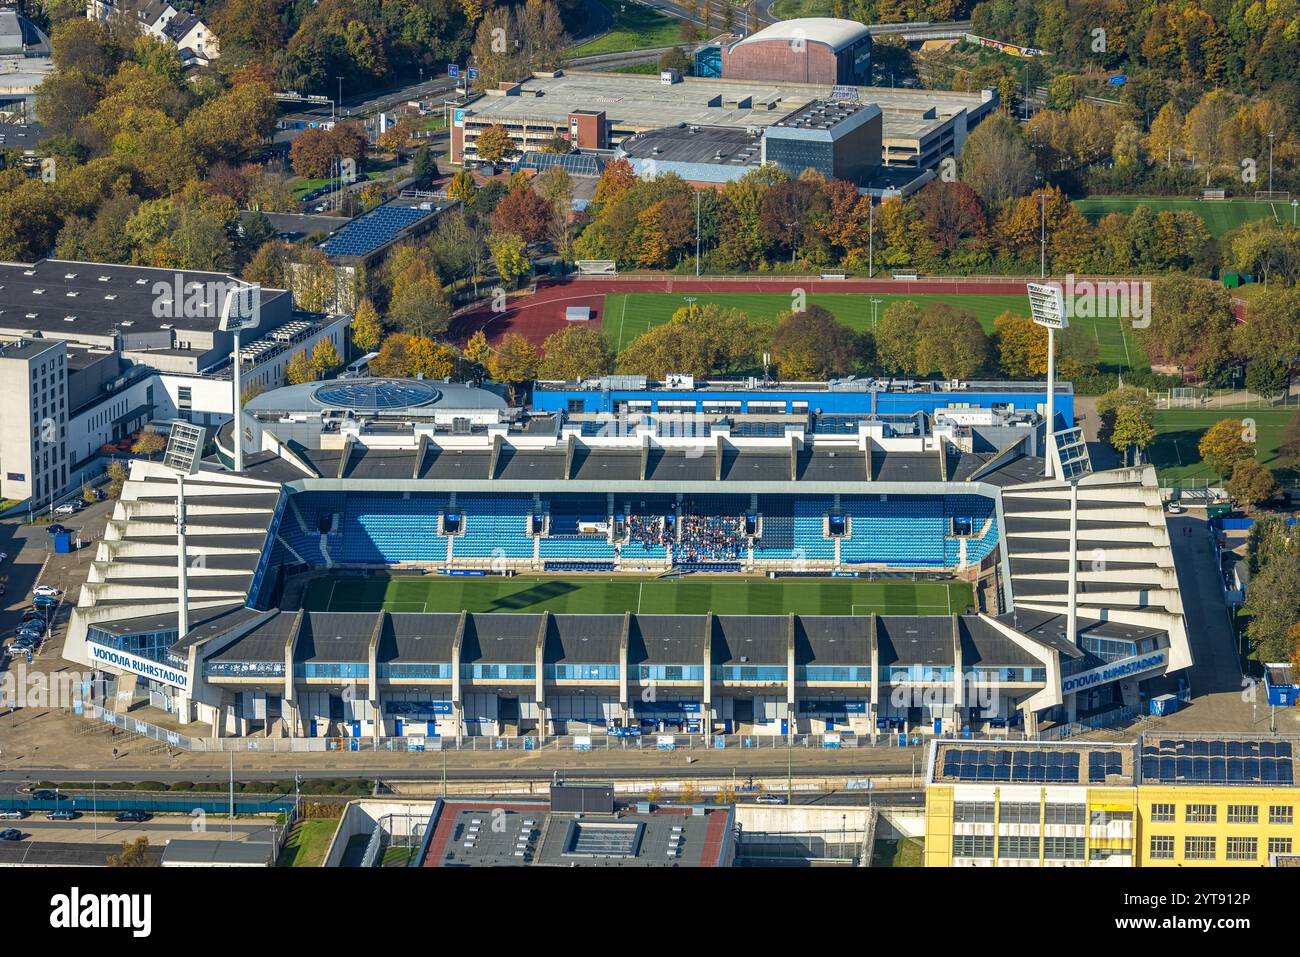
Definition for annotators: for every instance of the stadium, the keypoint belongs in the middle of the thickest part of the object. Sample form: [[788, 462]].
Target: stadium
[[395, 561]]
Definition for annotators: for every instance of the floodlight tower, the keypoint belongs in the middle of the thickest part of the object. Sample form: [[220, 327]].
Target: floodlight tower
[[184, 448], [241, 310], [1047, 306]]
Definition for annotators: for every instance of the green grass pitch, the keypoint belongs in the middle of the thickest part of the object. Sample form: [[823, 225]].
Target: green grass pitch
[[627, 315], [1220, 215], [1179, 431], [616, 595]]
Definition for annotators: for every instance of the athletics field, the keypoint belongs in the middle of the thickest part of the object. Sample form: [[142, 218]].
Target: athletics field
[[595, 594]]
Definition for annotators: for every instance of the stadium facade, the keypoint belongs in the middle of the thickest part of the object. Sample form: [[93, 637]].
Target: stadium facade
[[413, 477]]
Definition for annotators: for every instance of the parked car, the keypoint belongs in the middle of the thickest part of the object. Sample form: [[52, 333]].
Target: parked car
[[48, 591], [11, 834], [44, 601], [99, 494], [62, 815], [50, 796], [32, 614], [54, 529], [70, 508], [1174, 508], [769, 799], [12, 815], [3, 556], [131, 817]]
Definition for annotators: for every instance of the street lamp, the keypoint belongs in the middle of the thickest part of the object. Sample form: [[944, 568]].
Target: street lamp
[[1047, 306]]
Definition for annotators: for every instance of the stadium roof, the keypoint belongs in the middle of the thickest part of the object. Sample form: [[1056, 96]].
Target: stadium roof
[[835, 33]]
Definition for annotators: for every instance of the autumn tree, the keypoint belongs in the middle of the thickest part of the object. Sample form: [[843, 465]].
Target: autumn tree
[[133, 854], [299, 369], [1251, 483], [813, 345], [1225, 444], [324, 358], [524, 213], [420, 307], [1022, 346], [576, 353], [952, 212], [430, 359], [949, 342], [1127, 417], [1191, 324], [510, 255], [514, 362], [493, 144], [462, 186], [366, 327], [477, 349], [996, 161], [149, 443], [615, 179]]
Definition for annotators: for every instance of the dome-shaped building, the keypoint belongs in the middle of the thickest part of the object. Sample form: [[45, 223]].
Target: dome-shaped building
[[805, 50]]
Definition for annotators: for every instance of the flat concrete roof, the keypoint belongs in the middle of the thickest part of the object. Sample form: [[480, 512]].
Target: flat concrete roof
[[643, 103]]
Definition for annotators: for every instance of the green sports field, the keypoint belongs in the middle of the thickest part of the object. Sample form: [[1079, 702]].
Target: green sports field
[[615, 595], [1220, 215], [627, 315], [1179, 431]]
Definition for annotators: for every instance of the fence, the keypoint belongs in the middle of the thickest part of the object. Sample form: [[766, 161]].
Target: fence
[[1192, 397], [1104, 720], [596, 741], [98, 802]]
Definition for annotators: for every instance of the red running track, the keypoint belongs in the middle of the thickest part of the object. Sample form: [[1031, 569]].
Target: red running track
[[541, 313]]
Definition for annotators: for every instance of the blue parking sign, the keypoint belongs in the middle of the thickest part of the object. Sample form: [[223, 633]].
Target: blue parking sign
[[453, 70]]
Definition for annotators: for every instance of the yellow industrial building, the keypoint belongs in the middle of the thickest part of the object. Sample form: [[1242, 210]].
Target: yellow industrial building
[[1161, 801]]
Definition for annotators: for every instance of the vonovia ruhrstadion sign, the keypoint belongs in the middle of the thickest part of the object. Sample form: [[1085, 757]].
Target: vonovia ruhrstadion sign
[[176, 677], [1113, 672]]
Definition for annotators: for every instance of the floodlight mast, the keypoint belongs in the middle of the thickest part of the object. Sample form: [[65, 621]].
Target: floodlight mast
[[236, 323], [1047, 306]]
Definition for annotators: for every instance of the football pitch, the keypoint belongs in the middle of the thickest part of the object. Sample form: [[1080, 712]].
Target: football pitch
[[1220, 215], [1176, 457], [627, 315], [592, 594]]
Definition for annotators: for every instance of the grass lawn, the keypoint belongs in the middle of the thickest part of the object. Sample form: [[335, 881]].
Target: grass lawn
[[1178, 431], [1219, 215], [909, 852], [792, 9], [635, 28], [627, 315], [594, 594], [308, 843]]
